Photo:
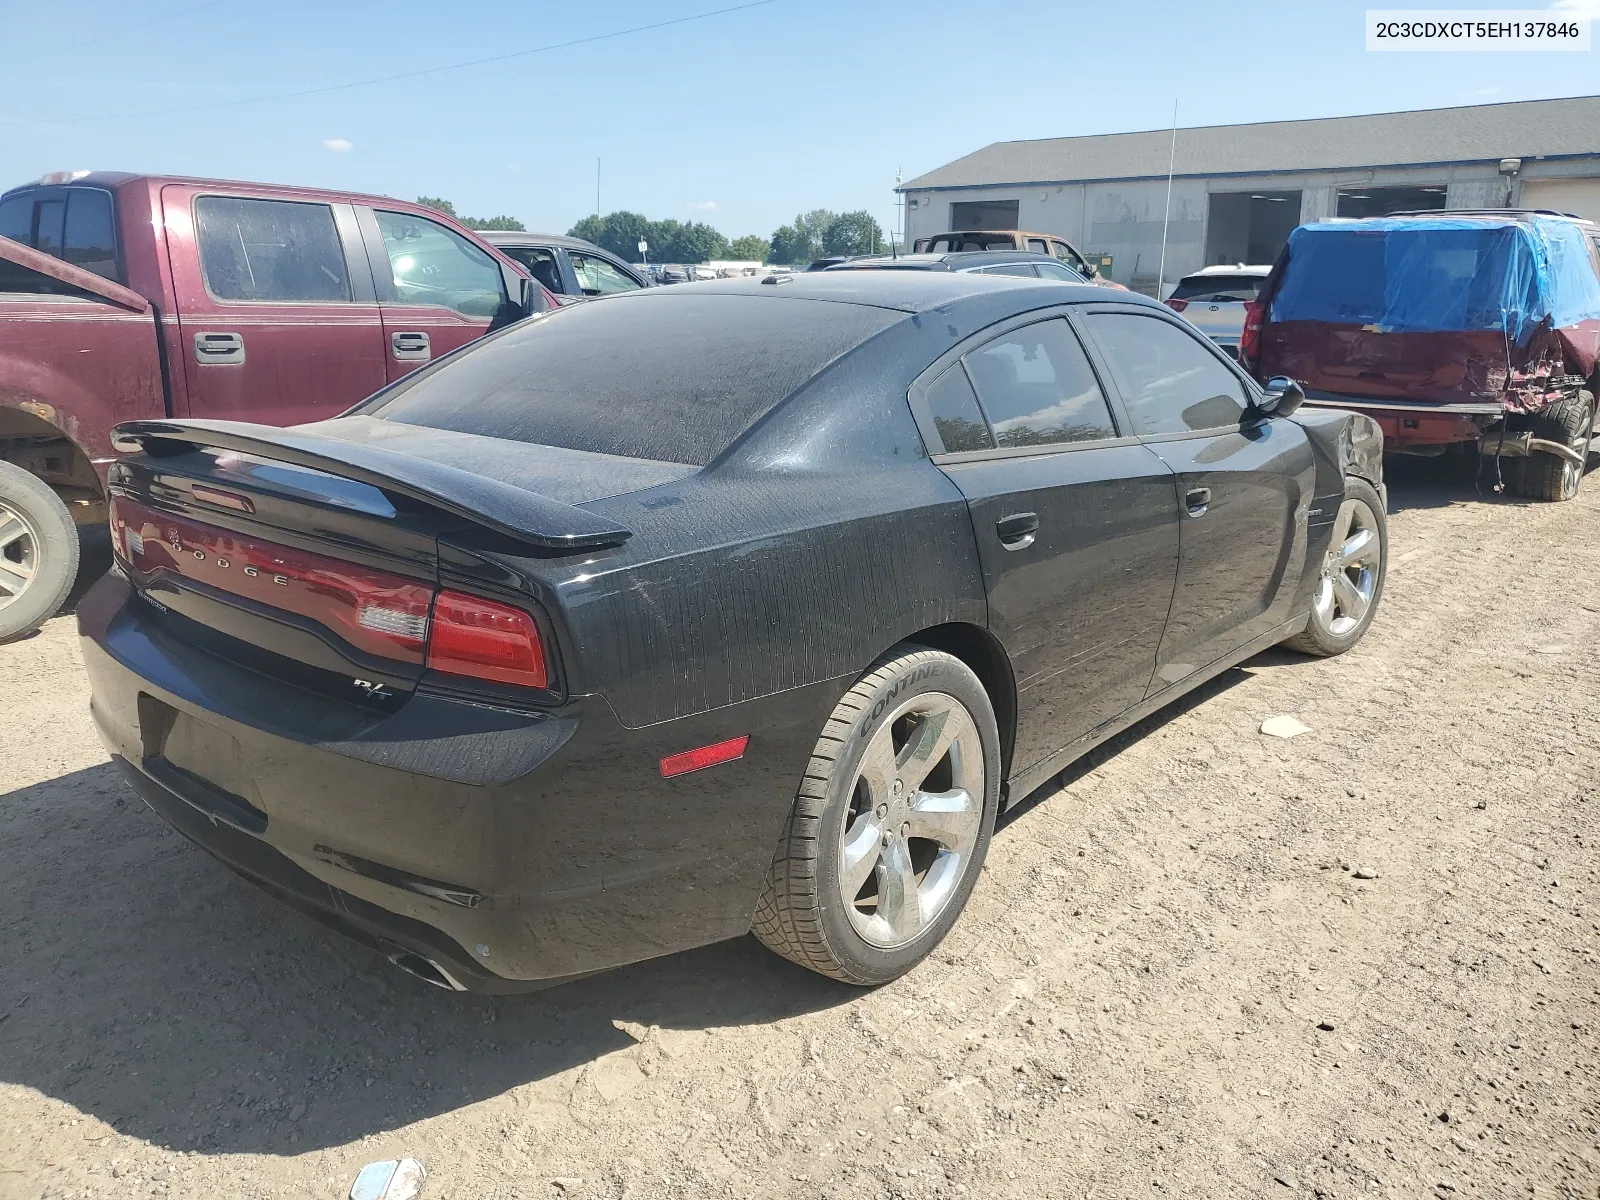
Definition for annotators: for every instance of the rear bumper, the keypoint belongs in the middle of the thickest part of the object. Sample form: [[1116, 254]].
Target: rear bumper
[[1408, 423], [509, 850]]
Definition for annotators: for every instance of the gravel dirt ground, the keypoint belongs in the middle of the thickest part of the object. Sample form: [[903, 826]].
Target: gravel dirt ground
[[1211, 963]]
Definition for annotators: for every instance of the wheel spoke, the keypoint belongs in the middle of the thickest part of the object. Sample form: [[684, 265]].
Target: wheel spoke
[[878, 766], [11, 529], [14, 576], [1355, 547], [931, 741], [1341, 523], [949, 818], [899, 905], [863, 847], [1349, 596]]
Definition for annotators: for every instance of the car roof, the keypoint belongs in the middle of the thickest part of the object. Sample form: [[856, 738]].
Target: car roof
[[1491, 214], [1234, 269], [955, 260], [908, 291], [521, 237], [116, 179]]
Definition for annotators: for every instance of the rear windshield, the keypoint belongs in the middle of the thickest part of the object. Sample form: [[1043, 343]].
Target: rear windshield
[[1220, 288], [657, 375]]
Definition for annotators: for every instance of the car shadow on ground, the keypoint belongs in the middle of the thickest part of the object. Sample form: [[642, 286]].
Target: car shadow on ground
[[1451, 479], [150, 988]]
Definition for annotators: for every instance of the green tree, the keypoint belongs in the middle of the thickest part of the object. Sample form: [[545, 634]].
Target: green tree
[[750, 247], [801, 242], [852, 233], [439, 204], [618, 232]]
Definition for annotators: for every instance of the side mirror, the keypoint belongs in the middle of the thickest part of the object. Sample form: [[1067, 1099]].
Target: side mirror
[[1283, 396]]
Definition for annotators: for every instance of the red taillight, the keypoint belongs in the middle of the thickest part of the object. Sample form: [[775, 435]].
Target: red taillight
[[1176, 305], [486, 640], [704, 756], [1250, 335]]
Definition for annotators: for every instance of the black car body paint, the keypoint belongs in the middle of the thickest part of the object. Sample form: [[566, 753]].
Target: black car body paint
[[749, 593]]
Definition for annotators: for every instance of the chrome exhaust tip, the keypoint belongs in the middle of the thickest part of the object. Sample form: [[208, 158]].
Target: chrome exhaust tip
[[424, 969]]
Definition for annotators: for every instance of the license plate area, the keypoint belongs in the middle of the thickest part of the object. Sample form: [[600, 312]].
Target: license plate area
[[197, 762]]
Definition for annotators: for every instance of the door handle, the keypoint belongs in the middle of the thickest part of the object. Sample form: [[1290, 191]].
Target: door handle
[[410, 347], [218, 349], [1017, 531], [1197, 500]]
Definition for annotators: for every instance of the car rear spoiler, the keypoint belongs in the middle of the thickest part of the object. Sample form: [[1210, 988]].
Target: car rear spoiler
[[516, 512]]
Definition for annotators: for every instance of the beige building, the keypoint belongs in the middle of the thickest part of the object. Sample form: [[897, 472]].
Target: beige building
[[1237, 190]]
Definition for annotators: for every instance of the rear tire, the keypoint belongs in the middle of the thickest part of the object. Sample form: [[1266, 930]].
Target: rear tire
[[1543, 476], [891, 824], [1345, 596], [38, 552]]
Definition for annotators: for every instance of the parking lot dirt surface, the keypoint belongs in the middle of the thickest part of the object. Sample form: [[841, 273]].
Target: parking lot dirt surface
[[1211, 963]]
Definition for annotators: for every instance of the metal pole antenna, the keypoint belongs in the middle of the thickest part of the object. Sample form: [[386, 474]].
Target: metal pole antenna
[[1172, 154]]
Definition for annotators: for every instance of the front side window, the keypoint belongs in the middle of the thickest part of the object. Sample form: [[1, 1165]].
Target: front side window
[[1037, 387], [597, 277], [270, 251], [1055, 270], [434, 265], [1021, 268], [90, 241], [1170, 382], [1069, 256], [541, 264], [956, 416]]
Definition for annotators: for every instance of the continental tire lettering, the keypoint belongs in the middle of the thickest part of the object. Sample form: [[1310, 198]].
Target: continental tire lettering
[[926, 671]]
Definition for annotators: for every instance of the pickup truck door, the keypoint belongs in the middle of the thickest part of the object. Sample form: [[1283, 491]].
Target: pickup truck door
[[276, 311], [437, 289]]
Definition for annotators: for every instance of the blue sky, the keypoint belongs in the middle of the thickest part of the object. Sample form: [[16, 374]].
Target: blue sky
[[740, 119]]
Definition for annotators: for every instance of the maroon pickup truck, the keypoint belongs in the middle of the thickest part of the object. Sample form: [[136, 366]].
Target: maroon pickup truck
[[129, 296]]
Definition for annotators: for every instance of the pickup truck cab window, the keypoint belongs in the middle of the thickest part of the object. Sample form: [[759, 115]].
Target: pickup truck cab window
[[271, 251], [434, 265], [90, 240], [16, 219], [47, 227]]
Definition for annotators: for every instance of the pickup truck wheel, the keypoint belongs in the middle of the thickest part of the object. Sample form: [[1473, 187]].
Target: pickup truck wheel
[[1346, 593], [38, 552], [1544, 476], [891, 823]]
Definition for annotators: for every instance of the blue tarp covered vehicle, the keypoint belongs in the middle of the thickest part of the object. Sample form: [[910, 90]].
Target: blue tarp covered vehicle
[[1448, 328]]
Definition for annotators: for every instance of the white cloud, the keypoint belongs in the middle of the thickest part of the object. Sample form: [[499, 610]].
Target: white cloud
[[337, 145], [704, 206]]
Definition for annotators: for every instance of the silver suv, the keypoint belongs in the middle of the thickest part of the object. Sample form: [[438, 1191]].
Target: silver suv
[[1213, 301]]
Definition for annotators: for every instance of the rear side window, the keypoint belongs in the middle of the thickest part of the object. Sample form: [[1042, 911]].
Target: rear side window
[[1023, 269], [1220, 289], [278, 251], [1168, 380], [90, 241], [16, 219], [669, 374], [956, 415], [1038, 389]]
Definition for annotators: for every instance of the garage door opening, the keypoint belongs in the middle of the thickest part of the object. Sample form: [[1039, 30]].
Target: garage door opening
[[1249, 227], [1380, 202], [984, 214]]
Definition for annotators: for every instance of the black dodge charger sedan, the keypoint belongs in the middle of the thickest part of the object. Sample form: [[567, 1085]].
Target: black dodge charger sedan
[[725, 607]]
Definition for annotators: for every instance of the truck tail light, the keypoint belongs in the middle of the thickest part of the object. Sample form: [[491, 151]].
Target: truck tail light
[[485, 640], [1250, 336], [1176, 305]]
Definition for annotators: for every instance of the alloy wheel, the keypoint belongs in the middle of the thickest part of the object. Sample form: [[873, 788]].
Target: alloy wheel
[[1350, 571], [1572, 470], [914, 818], [19, 554]]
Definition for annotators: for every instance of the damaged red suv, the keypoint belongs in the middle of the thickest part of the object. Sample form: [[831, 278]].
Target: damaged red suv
[[1473, 328]]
